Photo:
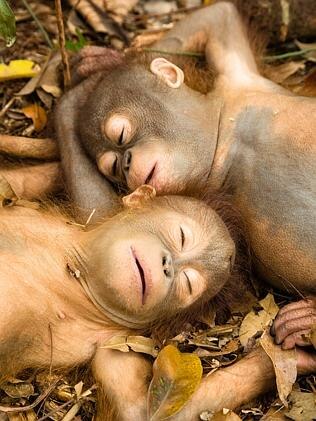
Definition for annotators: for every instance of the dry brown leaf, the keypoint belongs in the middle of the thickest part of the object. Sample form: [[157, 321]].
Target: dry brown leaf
[[310, 55], [159, 7], [16, 388], [275, 414], [22, 416], [7, 195], [308, 85], [37, 114], [47, 79], [231, 346], [120, 7], [284, 363], [303, 406], [280, 73], [147, 38], [225, 415], [97, 17], [255, 323], [135, 343]]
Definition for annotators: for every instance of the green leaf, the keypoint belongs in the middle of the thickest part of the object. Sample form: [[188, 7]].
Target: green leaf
[[175, 378], [77, 45], [7, 23]]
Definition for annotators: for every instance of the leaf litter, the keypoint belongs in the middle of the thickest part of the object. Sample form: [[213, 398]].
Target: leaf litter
[[25, 104]]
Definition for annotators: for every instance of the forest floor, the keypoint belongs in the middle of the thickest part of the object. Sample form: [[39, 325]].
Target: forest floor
[[26, 105]]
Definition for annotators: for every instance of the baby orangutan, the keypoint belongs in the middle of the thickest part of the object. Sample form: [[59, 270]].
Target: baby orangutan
[[157, 264], [138, 121]]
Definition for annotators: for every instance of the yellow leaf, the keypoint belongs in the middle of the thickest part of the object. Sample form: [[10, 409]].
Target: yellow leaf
[[18, 69], [175, 378], [37, 114]]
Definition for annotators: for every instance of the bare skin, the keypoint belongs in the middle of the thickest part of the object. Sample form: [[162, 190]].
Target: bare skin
[[34, 182], [248, 136], [163, 258]]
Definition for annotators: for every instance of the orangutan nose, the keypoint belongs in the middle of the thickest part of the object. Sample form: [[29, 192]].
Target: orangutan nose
[[127, 159], [167, 265]]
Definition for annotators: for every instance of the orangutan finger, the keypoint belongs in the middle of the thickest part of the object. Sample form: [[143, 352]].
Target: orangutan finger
[[292, 326], [297, 305], [296, 339], [291, 315]]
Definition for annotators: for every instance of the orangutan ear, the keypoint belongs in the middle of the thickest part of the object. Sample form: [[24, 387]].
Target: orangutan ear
[[141, 195], [171, 74]]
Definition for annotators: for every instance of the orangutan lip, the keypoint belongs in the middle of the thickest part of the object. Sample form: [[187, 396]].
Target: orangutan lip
[[141, 274], [151, 174]]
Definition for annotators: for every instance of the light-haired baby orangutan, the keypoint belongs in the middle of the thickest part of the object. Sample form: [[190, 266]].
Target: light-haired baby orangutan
[[136, 119], [159, 263]]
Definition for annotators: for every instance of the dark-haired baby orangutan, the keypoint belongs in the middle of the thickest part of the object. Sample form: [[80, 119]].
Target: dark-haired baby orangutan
[[136, 120]]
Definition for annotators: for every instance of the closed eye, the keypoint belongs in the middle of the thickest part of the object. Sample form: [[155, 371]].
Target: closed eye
[[121, 138], [114, 167], [188, 283], [182, 237]]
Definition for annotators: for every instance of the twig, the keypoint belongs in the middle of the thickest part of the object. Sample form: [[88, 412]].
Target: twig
[[195, 54], [62, 43], [64, 405], [174, 53], [7, 106], [40, 26], [290, 54], [42, 396]]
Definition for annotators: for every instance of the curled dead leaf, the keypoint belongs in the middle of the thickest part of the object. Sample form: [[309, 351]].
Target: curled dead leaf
[[96, 15], [16, 388], [231, 346], [303, 406], [37, 114], [47, 79], [284, 363], [225, 415], [175, 378], [255, 322], [7, 195], [310, 49], [135, 343]]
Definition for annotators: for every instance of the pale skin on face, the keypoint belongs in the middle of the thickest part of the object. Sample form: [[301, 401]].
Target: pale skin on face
[[41, 255], [153, 263]]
